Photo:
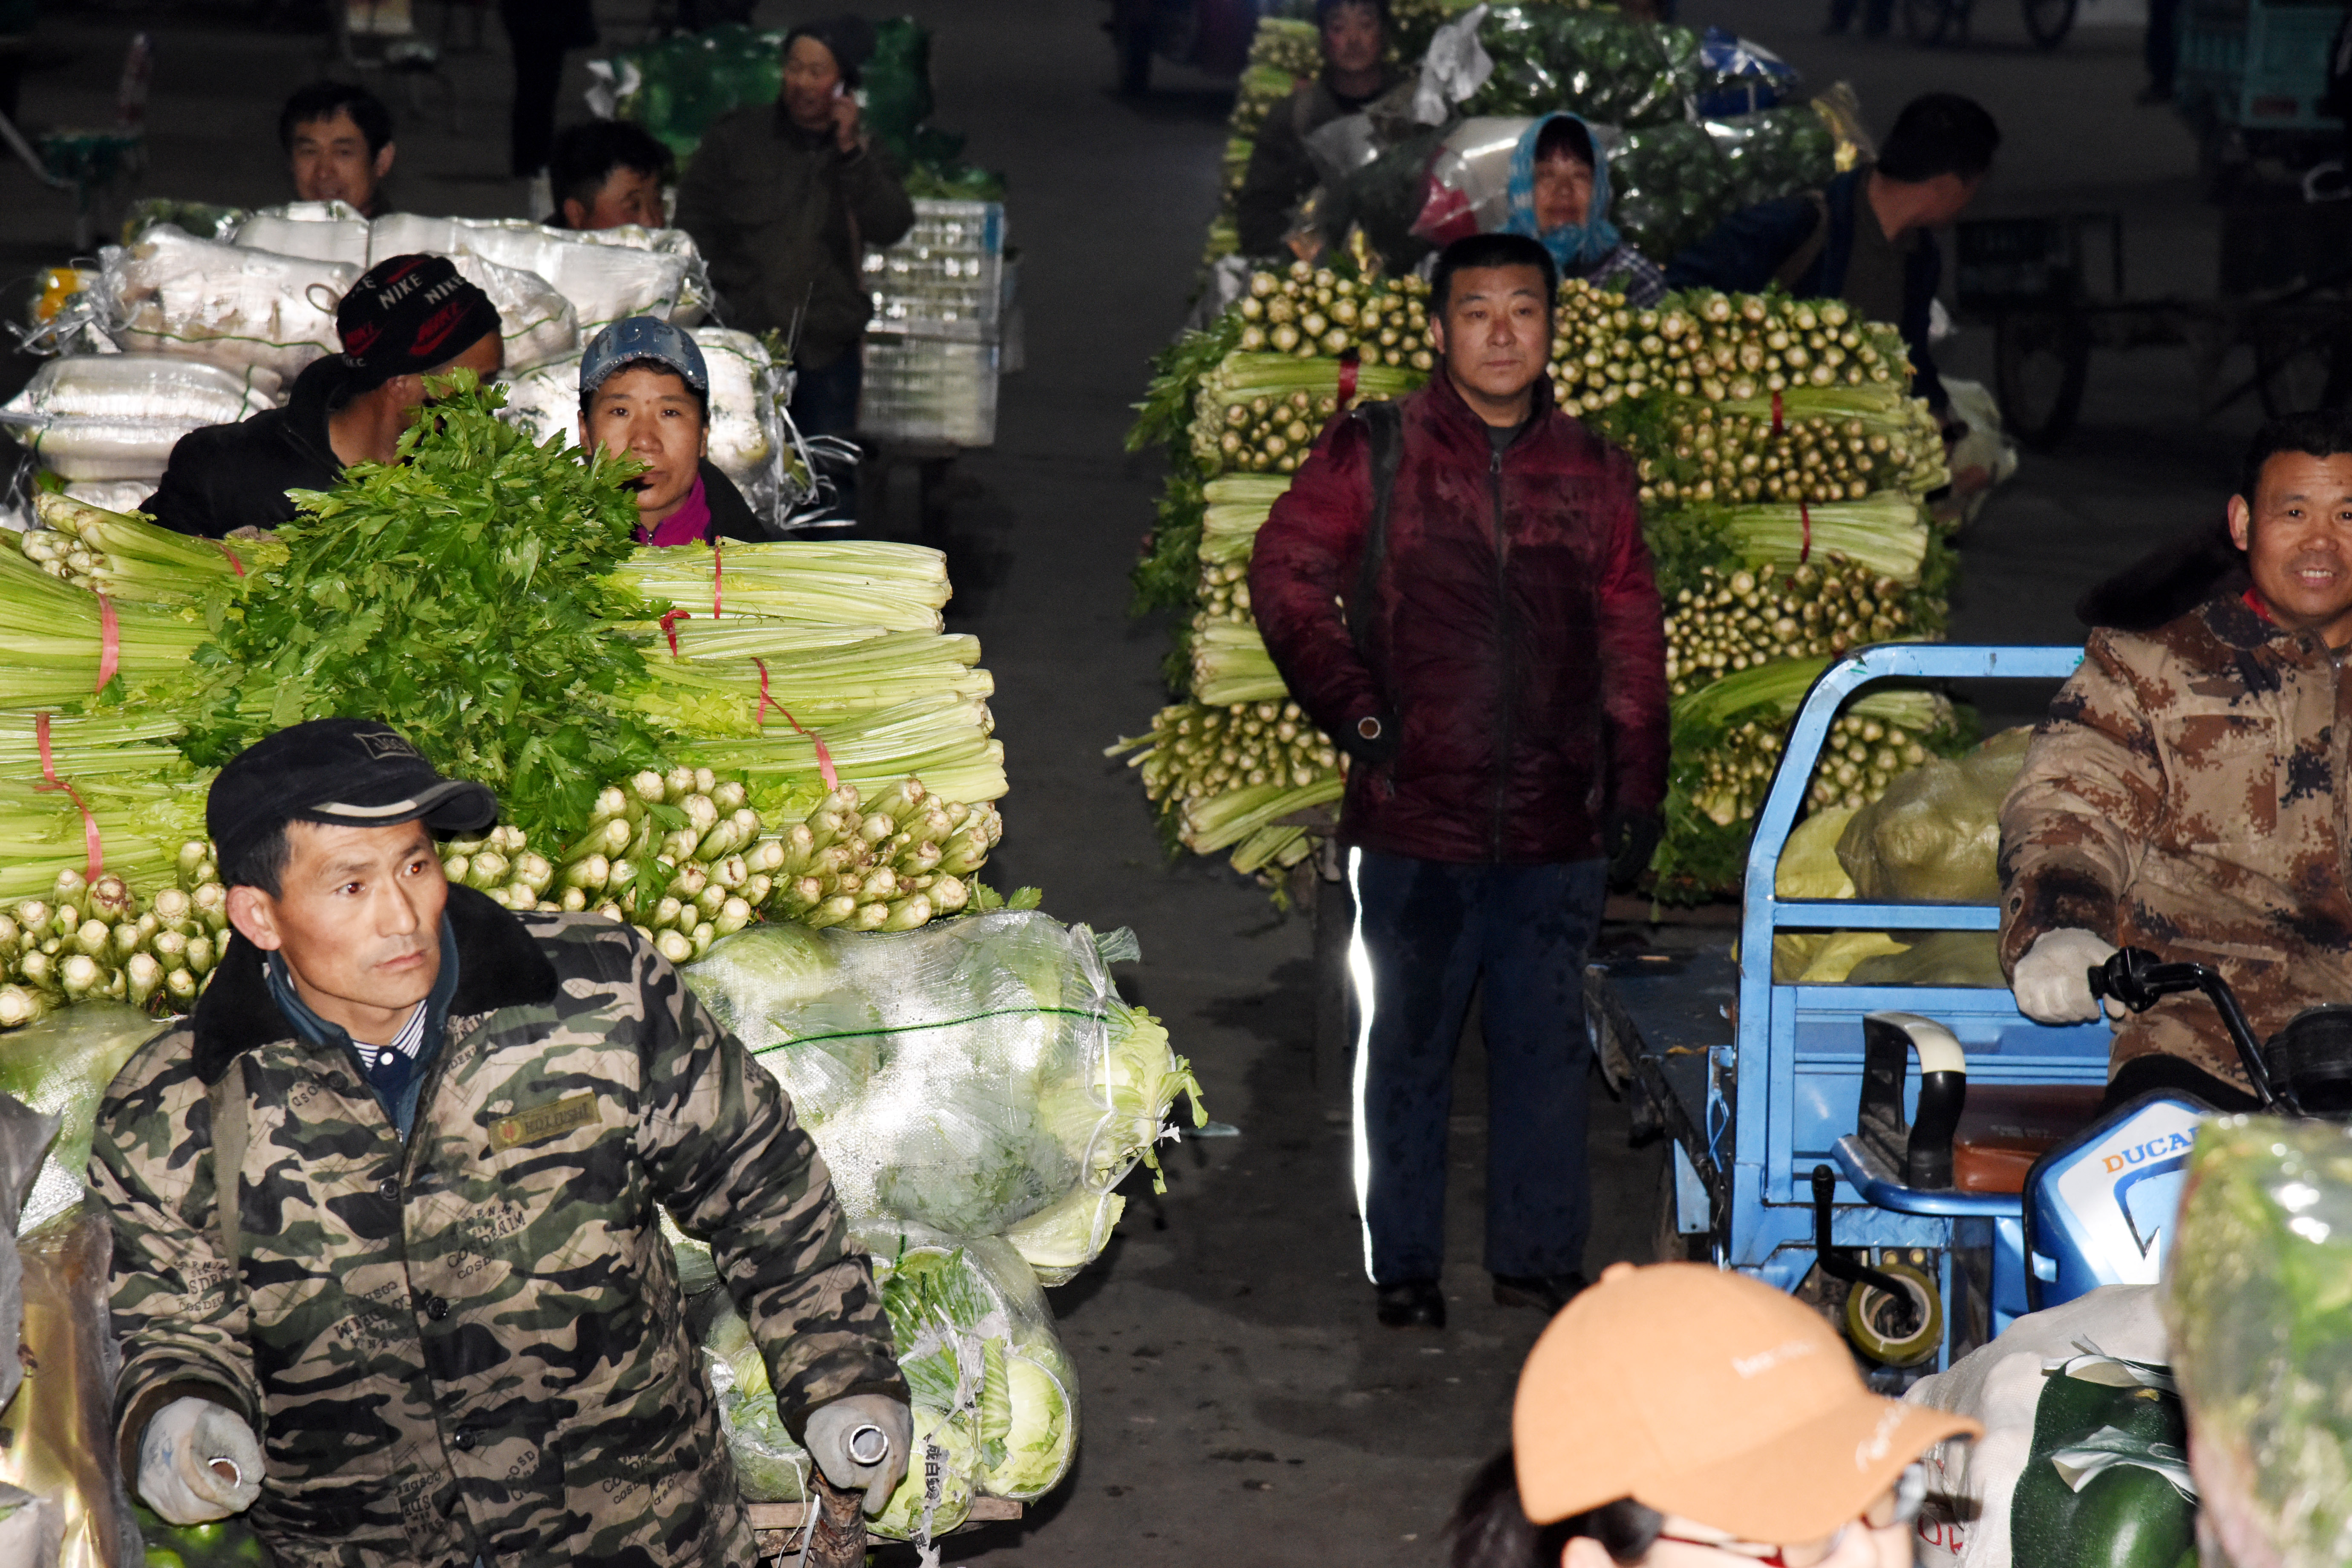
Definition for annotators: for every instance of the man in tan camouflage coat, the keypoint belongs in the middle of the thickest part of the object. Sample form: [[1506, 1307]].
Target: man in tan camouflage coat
[[2188, 792], [388, 1269]]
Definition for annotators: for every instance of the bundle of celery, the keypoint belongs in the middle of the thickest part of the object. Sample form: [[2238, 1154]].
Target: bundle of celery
[[1782, 468], [89, 940], [691, 766]]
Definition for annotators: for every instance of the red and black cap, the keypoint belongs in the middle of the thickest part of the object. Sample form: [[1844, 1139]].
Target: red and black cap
[[408, 315], [349, 772]]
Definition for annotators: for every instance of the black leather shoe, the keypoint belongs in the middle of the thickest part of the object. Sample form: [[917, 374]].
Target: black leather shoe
[[1548, 1293], [1411, 1304]]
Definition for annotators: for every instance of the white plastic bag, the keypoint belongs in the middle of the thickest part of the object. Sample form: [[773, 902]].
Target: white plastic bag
[[537, 322], [323, 231], [1966, 1523], [606, 279], [115, 417], [1457, 66], [244, 309]]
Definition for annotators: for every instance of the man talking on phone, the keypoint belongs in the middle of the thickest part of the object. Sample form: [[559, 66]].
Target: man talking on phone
[[784, 201]]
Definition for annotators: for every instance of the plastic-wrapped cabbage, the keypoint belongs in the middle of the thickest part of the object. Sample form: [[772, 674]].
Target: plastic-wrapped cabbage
[[1063, 1237], [1672, 186], [964, 1076], [1935, 834], [2258, 1302], [994, 1395], [175, 294], [61, 1065], [99, 417], [1596, 63]]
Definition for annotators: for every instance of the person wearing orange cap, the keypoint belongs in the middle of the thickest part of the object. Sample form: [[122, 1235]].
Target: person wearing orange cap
[[1680, 1416]]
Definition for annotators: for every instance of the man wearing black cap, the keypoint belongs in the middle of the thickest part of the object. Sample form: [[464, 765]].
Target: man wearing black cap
[[783, 201], [388, 1269], [406, 317]]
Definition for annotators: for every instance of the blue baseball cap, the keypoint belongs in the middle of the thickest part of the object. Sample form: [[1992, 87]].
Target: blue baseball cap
[[635, 338]]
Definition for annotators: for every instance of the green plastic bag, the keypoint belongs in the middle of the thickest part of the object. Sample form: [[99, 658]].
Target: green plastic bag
[[2258, 1302]]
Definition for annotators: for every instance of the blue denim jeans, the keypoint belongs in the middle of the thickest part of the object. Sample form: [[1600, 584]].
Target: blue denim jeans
[[1426, 932]]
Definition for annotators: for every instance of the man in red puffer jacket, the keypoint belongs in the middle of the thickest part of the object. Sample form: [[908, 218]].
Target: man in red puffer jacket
[[1489, 648]]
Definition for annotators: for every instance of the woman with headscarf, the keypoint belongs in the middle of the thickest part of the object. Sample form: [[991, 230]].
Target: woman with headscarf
[[1560, 197]]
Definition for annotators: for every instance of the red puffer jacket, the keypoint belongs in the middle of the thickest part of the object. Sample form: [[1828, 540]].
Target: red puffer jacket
[[1516, 641]]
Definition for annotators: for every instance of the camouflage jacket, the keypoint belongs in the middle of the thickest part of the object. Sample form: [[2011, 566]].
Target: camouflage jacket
[[476, 1342], [2187, 794]]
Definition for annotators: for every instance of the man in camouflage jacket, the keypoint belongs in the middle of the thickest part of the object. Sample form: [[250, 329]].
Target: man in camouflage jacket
[[2188, 792], [435, 1289]]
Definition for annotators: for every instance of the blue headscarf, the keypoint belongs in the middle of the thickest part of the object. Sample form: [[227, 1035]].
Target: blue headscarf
[[1576, 247]]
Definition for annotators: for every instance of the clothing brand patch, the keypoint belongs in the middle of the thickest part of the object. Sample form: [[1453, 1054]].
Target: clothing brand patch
[[543, 1122]]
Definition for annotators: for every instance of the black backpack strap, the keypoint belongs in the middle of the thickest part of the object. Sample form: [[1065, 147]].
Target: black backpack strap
[[1384, 430]]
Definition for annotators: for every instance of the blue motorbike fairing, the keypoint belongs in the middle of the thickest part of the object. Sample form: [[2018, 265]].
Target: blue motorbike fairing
[[2099, 1208]]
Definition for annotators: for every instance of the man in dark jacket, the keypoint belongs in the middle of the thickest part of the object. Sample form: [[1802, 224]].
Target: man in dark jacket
[[782, 202], [1497, 680], [388, 1264], [406, 317], [1281, 170], [1818, 245]]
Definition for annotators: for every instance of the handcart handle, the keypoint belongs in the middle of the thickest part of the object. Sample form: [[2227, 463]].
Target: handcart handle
[[2138, 979]]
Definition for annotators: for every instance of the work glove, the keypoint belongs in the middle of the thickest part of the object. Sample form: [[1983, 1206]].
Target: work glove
[[862, 1441], [1630, 838], [198, 1462], [2052, 982], [1372, 748]]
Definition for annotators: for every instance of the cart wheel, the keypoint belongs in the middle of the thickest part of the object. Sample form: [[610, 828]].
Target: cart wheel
[[1875, 1323], [2301, 368], [2049, 21], [2040, 361], [1925, 22]]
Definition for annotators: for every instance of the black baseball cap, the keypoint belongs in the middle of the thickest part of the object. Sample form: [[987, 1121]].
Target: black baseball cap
[[349, 772]]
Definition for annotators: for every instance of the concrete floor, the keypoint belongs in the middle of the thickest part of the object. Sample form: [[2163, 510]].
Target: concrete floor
[[1240, 1404]]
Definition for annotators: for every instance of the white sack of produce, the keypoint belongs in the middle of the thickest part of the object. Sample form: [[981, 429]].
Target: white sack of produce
[[603, 280], [112, 495], [323, 231], [967, 1076], [747, 437], [994, 1395], [239, 307], [1965, 1522], [537, 322], [97, 417]]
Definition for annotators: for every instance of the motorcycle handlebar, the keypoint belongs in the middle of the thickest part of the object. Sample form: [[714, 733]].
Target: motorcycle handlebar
[[2138, 979]]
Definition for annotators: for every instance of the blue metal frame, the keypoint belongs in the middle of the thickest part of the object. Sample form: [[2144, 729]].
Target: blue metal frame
[[1797, 1053]]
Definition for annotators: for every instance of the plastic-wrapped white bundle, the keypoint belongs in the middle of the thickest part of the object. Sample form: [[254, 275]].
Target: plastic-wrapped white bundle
[[537, 322], [244, 309], [323, 231], [605, 280], [110, 494], [752, 438], [979, 1076], [93, 417]]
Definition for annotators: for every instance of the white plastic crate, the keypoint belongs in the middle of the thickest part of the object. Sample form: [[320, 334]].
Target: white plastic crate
[[928, 389], [946, 277]]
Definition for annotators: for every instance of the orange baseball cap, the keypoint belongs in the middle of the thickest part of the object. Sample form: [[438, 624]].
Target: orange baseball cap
[[1713, 1396]]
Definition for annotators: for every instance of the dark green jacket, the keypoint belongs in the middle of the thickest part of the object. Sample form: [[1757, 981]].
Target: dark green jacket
[[782, 218], [474, 1343]]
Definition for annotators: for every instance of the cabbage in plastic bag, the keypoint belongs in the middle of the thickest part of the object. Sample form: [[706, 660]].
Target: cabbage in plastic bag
[[2258, 1302], [1935, 834], [95, 418], [939, 1071]]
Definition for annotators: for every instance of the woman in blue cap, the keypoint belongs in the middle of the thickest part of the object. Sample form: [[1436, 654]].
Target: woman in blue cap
[[1560, 197], [645, 393]]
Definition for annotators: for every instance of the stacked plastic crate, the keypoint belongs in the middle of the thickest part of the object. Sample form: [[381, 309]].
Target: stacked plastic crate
[[935, 344]]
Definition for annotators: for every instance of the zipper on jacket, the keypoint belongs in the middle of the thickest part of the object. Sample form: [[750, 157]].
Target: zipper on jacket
[[1503, 663]]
